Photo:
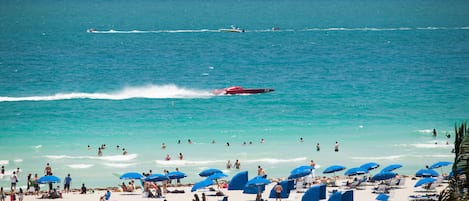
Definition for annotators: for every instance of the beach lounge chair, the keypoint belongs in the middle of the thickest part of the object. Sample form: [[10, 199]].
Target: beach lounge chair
[[312, 194], [335, 196], [347, 195], [381, 188], [238, 181], [285, 190]]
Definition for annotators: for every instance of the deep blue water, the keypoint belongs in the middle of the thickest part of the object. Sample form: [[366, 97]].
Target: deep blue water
[[373, 75]]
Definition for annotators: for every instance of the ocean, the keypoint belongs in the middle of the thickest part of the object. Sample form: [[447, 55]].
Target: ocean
[[375, 76]]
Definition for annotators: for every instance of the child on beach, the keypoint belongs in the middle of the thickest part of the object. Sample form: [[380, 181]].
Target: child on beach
[[106, 196]]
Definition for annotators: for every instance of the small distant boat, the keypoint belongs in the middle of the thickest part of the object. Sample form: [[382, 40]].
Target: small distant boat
[[233, 29], [91, 30], [239, 90]]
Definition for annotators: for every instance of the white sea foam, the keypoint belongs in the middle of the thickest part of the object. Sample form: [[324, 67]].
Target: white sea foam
[[431, 145], [80, 166], [4, 162], [425, 131], [187, 162], [19, 160], [149, 91], [371, 158], [119, 165], [275, 160], [38, 146], [106, 158], [434, 156]]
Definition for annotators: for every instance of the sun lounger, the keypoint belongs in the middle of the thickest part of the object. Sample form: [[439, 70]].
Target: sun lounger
[[347, 195], [335, 196], [424, 197]]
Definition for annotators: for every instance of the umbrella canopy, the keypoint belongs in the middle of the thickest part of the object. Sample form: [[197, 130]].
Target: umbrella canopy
[[297, 173], [299, 168], [424, 181], [382, 197], [176, 175], [131, 175], [257, 181], [333, 169], [48, 179], [157, 177], [384, 176], [201, 184], [440, 164], [217, 176], [355, 171], [426, 173], [209, 172], [391, 167], [370, 166]]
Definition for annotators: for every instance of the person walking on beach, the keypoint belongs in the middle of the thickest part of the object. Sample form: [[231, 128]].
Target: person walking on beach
[[67, 182], [2, 194], [13, 180], [28, 182], [278, 191], [20, 195], [48, 170], [336, 147]]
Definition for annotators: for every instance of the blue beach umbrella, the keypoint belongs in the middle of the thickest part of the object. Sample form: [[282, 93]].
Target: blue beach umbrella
[[217, 176], [209, 172], [257, 181], [426, 173], [201, 184], [355, 171], [424, 181], [297, 173], [299, 168], [48, 179], [440, 164], [370, 166], [333, 169], [156, 177], [176, 175], [382, 197], [131, 175], [391, 167], [384, 176]]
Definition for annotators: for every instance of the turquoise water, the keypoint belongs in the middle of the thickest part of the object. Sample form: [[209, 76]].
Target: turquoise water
[[376, 76]]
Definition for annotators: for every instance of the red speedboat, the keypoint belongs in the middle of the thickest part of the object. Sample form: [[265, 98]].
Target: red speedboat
[[240, 90]]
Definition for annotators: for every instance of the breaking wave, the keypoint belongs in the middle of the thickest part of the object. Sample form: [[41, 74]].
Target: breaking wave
[[149, 92], [105, 158]]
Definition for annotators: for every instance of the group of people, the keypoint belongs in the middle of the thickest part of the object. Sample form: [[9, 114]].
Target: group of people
[[102, 147], [237, 164], [32, 185], [318, 146]]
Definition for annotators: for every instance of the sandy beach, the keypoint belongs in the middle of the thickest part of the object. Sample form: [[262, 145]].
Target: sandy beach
[[362, 193]]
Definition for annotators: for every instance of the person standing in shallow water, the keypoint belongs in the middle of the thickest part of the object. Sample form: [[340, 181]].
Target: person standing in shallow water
[[434, 133], [48, 170], [318, 148], [336, 147]]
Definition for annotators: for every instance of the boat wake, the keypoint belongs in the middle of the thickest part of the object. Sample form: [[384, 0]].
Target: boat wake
[[112, 31], [148, 92]]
